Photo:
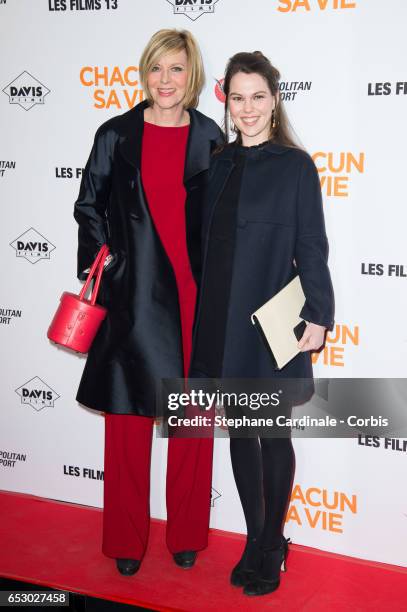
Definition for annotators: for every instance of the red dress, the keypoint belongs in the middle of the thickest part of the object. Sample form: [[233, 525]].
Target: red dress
[[162, 171], [128, 438]]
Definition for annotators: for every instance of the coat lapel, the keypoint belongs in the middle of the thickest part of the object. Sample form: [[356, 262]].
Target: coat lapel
[[198, 147], [132, 138]]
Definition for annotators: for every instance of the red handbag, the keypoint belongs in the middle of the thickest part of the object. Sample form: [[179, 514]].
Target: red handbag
[[77, 319]]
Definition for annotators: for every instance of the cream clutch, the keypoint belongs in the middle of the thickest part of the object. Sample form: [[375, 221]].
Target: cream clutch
[[279, 323]]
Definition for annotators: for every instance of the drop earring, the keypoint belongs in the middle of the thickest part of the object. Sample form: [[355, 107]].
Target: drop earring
[[273, 119]]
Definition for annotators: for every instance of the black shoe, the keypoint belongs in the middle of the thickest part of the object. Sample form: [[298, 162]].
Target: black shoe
[[186, 558], [267, 579], [248, 565], [128, 567]]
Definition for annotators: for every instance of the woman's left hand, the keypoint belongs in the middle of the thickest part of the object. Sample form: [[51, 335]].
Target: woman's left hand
[[312, 338]]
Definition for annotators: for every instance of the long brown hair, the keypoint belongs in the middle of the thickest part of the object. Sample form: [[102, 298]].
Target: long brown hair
[[257, 63]]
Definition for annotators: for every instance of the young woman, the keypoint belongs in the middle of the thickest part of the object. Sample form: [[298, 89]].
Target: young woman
[[141, 194], [263, 224]]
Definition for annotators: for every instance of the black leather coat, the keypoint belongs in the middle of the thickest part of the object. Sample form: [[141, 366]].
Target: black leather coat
[[280, 232], [140, 340]]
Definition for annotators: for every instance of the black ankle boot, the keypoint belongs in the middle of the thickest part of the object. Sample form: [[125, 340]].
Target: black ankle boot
[[267, 579], [248, 565]]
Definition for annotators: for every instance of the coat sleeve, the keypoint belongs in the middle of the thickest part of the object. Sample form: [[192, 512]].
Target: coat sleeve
[[311, 249], [91, 206]]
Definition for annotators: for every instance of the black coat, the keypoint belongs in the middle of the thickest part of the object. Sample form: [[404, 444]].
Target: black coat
[[280, 232], [140, 340]]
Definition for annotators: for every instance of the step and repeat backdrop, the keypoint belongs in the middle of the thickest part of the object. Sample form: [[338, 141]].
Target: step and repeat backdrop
[[68, 66]]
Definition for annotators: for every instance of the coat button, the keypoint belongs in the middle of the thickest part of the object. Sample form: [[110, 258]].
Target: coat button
[[241, 222]]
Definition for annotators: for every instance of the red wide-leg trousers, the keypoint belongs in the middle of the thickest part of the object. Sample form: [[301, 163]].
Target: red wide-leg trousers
[[126, 516]]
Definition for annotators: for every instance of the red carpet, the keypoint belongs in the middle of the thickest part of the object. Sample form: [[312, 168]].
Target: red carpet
[[58, 544]]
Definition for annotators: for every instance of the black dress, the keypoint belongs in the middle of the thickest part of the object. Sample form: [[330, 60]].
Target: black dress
[[210, 339]]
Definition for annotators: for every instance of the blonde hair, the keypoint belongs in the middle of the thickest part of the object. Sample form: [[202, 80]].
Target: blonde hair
[[171, 41]]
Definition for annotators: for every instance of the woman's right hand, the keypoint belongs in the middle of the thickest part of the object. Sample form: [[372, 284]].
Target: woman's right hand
[[313, 337]]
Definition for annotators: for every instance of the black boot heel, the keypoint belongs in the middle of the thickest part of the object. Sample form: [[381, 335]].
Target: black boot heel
[[286, 550]]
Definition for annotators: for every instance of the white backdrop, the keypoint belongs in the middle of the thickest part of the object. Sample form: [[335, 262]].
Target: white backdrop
[[343, 72]]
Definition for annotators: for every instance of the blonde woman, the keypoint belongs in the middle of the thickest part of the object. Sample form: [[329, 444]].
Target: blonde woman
[[141, 194]]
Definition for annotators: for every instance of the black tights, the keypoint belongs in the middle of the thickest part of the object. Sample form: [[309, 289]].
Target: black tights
[[263, 470]]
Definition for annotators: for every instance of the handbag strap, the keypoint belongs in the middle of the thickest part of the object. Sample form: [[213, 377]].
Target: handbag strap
[[97, 267]]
